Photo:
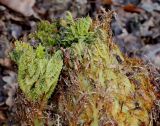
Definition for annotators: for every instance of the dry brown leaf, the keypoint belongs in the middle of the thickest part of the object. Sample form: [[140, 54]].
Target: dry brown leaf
[[132, 8], [6, 62], [22, 6], [2, 116], [107, 2], [10, 87]]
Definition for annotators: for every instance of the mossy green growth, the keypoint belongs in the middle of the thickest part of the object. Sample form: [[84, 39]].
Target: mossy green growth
[[46, 33], [102, 87], [64, 32], [100, 92], [38, 71]]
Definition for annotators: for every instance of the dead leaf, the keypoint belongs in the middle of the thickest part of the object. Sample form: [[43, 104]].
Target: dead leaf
[[132, 42], [145, 27], [109, 2], [2, 116], [132, 8], [152, 54], [6, 62], [22, 6], [11, 87], [11, 78], [4, 44], [150, 6]]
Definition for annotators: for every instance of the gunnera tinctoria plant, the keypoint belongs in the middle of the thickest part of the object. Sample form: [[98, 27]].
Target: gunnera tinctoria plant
[[97, 85]]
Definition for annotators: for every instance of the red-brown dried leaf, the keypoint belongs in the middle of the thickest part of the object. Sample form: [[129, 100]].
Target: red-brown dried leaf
[[132, 8]]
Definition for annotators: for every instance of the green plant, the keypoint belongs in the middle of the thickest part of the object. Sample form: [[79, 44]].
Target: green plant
[[47, 33], [38, 71], [102, 87], [64, 32]]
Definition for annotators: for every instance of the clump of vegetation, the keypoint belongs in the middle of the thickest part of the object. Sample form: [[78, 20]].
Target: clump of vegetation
[[104, 87], [38, 71], [64, 32], [97, 84]]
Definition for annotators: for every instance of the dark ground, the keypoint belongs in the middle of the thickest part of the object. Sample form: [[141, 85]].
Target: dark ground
[[135, 26]]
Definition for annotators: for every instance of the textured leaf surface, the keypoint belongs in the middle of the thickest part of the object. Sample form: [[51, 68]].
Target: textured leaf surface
[[64, 32], [38, 72], [100, 90]]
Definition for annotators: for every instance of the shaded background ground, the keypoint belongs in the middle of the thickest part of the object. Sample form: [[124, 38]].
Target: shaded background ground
[[135, 26]]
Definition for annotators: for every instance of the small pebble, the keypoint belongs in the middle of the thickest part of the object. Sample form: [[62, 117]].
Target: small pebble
[[2, 8]]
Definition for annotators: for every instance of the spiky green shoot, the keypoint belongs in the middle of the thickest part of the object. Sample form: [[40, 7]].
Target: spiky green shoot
[[38, 71]]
